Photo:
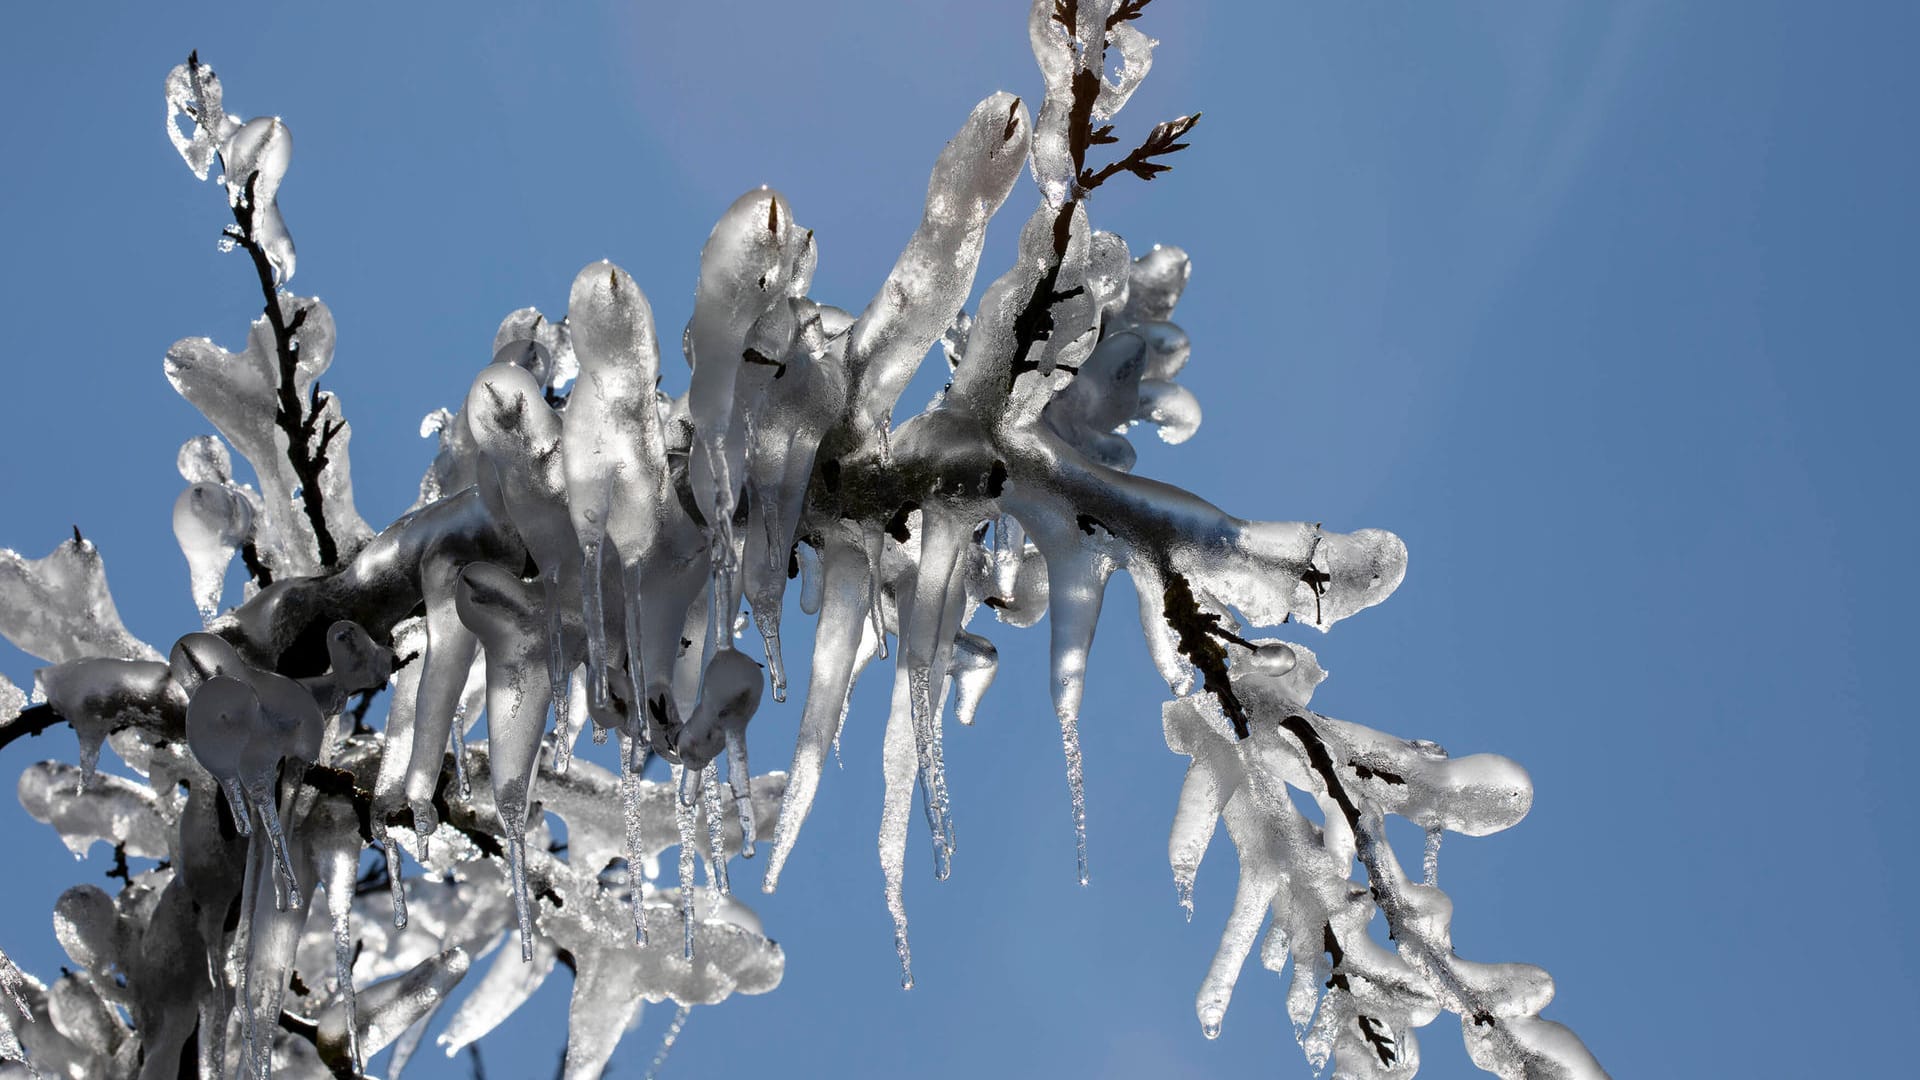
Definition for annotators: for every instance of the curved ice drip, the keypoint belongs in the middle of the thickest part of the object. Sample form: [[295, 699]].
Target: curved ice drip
[[510, 618]]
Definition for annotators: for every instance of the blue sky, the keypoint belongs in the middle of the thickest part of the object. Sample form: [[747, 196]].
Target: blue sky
[[1605, 310]]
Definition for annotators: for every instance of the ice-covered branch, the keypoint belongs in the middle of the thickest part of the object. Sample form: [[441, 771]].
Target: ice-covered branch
[[579, 558]]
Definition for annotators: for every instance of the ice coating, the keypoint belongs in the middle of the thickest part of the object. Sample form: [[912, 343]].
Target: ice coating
[[929, 282], [241, 394], [58, 608], [118, 811], [508, 617], [616, 460], [211, 522], [582, 546], [255, 158]]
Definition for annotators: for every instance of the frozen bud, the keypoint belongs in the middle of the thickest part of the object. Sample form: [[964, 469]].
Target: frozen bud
[[211, 522], [203, 459], [1272, 658]]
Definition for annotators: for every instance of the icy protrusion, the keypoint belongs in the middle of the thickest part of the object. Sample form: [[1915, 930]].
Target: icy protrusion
[[390, 1007], [729, 696], [745, 268], [255, 158], [630, 820], [58, 608], [502, 990], [98, 696], [973, 175], [615, 457], [240, 394], [740, 782], [684, 817], [836, 660], [975, 661], [510, 622], [1077, 580], [194, 91], [121, 812], [897, 756], [203, 459], [716, 826]]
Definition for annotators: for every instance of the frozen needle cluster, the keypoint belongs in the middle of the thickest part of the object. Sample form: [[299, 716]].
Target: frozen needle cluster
[[584, 554]]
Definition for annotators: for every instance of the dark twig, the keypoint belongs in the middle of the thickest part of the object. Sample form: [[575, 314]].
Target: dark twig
[[32, 720], [1164, 139], [297, 422]]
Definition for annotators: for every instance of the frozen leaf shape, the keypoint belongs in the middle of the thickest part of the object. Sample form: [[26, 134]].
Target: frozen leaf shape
[[58, 608]]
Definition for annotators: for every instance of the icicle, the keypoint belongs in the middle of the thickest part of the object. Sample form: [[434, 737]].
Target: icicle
[[593, 610], [1076, 789], [630, 805], [237, 802], [740, 782], [1431, 864], [876, 544], [522, 904], [897, 763], [776, 662], [558, 675], [636, 667], [683, 812], [287, 883], [716, 828], [340, 914], [459, 759], [666, 1045], [1077, 586], [395, 883]]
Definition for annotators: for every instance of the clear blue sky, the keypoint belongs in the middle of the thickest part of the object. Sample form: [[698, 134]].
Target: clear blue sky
[[1606, 310]]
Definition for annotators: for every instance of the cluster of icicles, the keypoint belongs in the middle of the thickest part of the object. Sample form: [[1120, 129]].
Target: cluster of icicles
[[584, 554]]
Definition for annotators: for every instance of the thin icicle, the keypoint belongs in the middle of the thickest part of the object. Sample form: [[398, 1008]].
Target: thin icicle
[[636, 669], [630, 802], [286, 890], [1076, 788], [1431, 863], [876, 543], [776, 664], [340, 914], [558, 676], [522, 904], [459, 759], [896, 808], [716, 828], [666, 1045], [683, 813], [395, 883], [740, 783], [593, 610]]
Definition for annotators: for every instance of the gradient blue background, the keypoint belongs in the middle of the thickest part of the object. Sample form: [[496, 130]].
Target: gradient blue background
[[1607, 310]]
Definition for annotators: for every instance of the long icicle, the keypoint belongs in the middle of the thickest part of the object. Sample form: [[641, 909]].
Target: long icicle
[[716, 828], [522, 905], [683, 777], [558, 676], [630, 801], [396, 884], [740, 782]]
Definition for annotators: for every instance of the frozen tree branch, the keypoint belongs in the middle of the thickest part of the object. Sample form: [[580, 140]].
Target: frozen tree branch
[[585, 551]]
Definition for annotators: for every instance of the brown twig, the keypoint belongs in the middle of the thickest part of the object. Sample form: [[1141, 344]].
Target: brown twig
[[296, 421]]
